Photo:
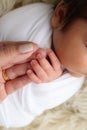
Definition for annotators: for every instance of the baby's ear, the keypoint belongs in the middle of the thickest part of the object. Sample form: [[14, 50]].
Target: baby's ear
[[58, 15]]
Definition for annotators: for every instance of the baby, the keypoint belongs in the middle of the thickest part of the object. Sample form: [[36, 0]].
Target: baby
[[64, 30], [69, 35]]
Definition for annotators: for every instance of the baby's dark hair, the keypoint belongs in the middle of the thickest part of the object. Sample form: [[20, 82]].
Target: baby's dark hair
[[75, 9]]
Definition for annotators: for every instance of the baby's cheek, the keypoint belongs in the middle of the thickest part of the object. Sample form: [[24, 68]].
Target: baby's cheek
[[76, 74]]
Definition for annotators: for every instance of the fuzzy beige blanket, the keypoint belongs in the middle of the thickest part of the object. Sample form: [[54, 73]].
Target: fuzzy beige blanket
[[72, 115]]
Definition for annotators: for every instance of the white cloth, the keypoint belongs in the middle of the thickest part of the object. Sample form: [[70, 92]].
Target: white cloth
[[32, 23]]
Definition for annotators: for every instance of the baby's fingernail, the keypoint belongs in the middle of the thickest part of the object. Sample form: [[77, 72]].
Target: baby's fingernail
[[29, 71], [33, 62], [25, 48], [39, 56]]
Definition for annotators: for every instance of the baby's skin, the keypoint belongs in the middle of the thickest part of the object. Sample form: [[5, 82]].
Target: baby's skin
[[42, 67], [45, 68]]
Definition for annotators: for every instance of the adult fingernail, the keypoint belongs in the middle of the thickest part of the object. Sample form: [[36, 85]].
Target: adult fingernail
[[25, 48]]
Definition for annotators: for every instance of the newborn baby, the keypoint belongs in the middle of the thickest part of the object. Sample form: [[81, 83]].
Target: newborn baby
[[41, 24]]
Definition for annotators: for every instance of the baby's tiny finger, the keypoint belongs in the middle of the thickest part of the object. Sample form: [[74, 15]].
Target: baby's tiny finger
[[38, 69], [33, 77], [54, 60], [44, 64]]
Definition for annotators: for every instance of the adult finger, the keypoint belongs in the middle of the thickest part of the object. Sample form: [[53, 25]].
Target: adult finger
[[17, 70], [15, 84], [3, 93], [10, 50]]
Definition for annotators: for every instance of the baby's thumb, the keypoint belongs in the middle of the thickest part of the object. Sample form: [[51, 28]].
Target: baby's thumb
[[10, 50]]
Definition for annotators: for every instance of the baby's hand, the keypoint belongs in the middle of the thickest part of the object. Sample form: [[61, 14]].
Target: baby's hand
[[44, 71]]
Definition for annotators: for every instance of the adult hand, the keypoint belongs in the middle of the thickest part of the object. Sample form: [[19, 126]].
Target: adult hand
[[12, 53]]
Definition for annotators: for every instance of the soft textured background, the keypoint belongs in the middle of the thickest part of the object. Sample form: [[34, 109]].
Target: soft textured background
[[72, 115]]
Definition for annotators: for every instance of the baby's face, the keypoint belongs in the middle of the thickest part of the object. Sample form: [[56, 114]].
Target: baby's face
[[71, 47]]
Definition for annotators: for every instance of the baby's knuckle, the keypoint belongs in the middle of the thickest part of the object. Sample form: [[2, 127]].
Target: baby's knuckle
[[59, 72], [46, 67]]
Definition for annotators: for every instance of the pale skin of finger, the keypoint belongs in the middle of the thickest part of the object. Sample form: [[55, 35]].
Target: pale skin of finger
[[10, 49], [1, 77], [41, 51], [12, 53], [33, 77], [45, 70], [55, 64], [3, 93], [12, 85], [17, 70], [13, 72], [54, 60], [20, 69], [15, 84], [38, 70], [44, 64]]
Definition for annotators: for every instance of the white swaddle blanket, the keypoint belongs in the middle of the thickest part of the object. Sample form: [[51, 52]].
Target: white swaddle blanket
[[32, 23]]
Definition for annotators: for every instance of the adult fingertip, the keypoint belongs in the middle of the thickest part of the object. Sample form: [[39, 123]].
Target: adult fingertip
[[27, 47]]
